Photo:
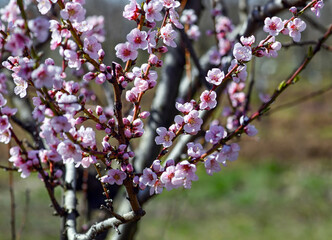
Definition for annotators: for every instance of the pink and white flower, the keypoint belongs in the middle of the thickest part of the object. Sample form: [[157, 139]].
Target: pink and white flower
[[114, 176], [195, 150], [208, 100], [273, 25], [73, 11], [70, 152], [295, 28], [168, 35], [215, 76], [152, 11], [242, 53], [317, 7], [170, 3], [138, 38], [192, 122], [211, 165], [126, 51], [165, 137], [92, 47], [215, 134]]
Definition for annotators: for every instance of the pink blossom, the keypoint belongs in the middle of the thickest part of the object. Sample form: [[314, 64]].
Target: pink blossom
[[138, 38], [60, 124], [5, 136], [45, 5], [132, 95], [87, 161], [208, 100], [45, 75], [240, 74], [21, 87], [192, 122], [68, 103], [131, 10], [72, 58], [4, 123], [152, 11], [73, 11], [195, 150], [92, 46], [211, 165], [214, 56], [186, 170], [271, 48], [156, 166], [215, 76], [188, 16], [114, 176], [273, 25], [242, 53], [250, 130], [185, 108], [168, 178], [170, 3], [165, 137], [215, 134], [70, 152], [141, 84], [40, 28], [157, 188], [174, 18], [168, 35], [317, 7], [16, 43], [228, 152], [148, 178], [126, 51], [193, 32], [224, 25], [87, 137], [295, 28], [247, 41]]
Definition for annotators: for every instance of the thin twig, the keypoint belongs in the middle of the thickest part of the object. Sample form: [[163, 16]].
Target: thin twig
[[300, 100]]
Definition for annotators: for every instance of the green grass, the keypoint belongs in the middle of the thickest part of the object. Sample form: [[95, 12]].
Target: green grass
[[246, 201]]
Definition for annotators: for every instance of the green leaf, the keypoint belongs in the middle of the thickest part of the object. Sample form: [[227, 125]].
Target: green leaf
[[281, 85], [296, 79]]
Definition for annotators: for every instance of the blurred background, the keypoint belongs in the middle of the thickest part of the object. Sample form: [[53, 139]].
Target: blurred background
[[279, 188]]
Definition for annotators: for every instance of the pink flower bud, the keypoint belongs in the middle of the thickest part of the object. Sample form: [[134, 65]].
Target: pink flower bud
[[126, 121], [169, 162], [89, 76], [144, 114], [99, 110], [99, 126], [80, 120], [153, 59], [124, 84], [162, 49], [293, 10], [102, 67], [130, 168], [58, 173], [111, 122], [108, 131]]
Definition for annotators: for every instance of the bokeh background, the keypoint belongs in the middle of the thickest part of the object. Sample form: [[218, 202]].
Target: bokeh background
[[279, 188]]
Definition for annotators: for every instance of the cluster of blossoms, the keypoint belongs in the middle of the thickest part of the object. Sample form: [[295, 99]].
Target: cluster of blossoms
[[60, 108]]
